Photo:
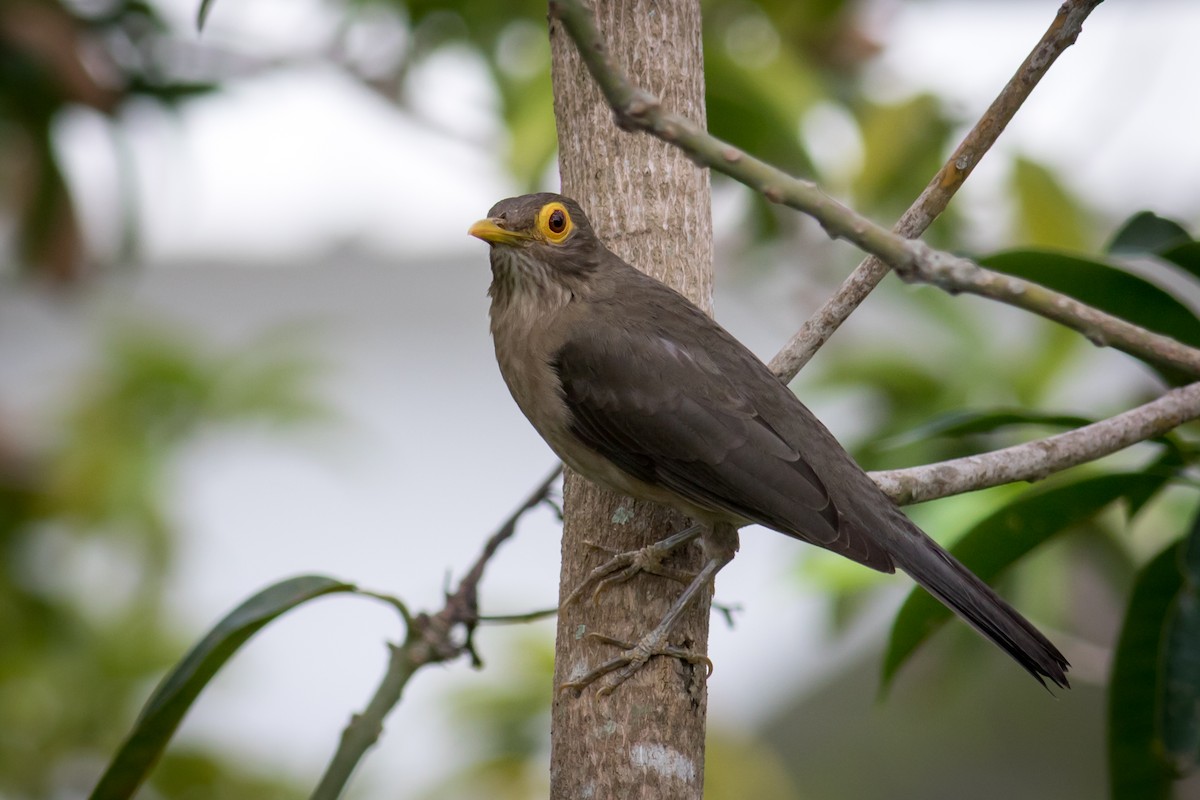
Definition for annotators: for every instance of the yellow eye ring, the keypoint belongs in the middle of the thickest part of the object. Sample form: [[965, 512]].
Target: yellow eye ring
[[554, 222]]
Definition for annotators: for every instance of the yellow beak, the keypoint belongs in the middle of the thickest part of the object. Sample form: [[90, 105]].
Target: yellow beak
[[489, 230]]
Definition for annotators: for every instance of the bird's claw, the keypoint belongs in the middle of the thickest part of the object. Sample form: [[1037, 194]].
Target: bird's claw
[[626, 565], [632, 659]]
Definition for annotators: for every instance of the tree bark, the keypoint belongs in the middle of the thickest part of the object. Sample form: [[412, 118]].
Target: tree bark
[[652, 207]]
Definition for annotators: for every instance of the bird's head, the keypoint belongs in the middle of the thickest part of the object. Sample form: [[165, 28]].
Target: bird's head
[[539, 237], [547, 222]]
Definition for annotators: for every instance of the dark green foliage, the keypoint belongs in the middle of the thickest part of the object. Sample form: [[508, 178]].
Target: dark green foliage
[[1180, 702], [1108, 287], [1146, 232], [1154, 694], [79, 647], [1047, 215], [1137, 769], [1005, 537], [972, 423], [179, 689]]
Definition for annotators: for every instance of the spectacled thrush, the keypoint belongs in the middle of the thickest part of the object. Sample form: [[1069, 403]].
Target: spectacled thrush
[[637, 389]]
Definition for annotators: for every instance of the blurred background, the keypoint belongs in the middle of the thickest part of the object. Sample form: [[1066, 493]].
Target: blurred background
[[243, 336]]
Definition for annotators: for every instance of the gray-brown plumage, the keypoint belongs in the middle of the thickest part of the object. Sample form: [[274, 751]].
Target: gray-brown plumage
[[636, 388]]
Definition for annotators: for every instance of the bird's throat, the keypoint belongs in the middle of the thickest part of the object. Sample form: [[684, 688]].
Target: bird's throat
[[524, 286]]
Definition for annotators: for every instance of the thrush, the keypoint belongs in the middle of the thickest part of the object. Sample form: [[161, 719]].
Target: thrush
[[637, 389]]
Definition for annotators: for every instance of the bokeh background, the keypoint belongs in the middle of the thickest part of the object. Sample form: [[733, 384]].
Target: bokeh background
[[243, 336]]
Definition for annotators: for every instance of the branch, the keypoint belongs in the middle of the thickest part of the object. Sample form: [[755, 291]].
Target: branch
[[429, 640], [956, 275], [817, 329], [636, 109], [1035, 460], [466, 588]]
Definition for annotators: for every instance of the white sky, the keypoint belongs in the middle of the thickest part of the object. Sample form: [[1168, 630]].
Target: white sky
[[281, 169]]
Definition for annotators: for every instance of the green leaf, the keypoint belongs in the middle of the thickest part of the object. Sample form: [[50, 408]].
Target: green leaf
[[1169, 464], [1147, 233], [202, 13], [1003, 538], [1186, 256], [174, 696], [1180, 722], [968, 423], [760, 116], [528, 113], [1108, 288], [1047, 214], [902, 142], [1137, 770]]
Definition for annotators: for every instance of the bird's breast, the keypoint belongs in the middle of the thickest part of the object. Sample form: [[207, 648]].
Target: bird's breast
[[526, 342], [527, 333]]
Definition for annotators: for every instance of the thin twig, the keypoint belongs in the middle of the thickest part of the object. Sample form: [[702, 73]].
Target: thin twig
[[817, 329], [430, 640], [518, 619], [1033, 461], [466, 588], [636, 109]]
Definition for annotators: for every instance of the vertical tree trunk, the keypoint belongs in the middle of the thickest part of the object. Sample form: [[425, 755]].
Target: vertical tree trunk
[[652, 207]]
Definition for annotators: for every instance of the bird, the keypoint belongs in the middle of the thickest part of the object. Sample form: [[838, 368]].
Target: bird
[[637, 389]]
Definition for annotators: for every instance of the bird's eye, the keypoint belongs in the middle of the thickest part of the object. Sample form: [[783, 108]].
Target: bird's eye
[[554, 222]]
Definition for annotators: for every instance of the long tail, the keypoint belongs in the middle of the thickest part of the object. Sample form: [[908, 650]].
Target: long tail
[[980, 606]]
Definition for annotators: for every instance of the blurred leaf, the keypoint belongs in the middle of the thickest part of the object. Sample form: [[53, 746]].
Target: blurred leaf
[[172, 93], [903, 145], [1002, 539], [1180, 707], [826, 33], [528, 108], [1040, 368], [1169, 464], [1108, 288], [510, 718], [736, 768], [1146, 232], [1186, 255], [268, 380], [505, 720], [49, 233], [191, 775], [840, 578], [758, 107], [1048, 216], [202, 13], [174, 696], [1136, 767], [156, 389], [86, 543], [916, 385], [968, 423]]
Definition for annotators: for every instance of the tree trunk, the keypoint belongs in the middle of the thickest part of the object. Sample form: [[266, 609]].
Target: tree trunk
[[652, 207]]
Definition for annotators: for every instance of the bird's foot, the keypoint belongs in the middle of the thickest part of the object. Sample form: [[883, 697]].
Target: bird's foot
[[632, 659], [621, 566]]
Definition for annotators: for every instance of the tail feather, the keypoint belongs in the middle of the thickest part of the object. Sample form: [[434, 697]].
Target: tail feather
[[979, 605]]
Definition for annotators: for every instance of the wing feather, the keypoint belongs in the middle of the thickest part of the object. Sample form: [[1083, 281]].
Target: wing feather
[[669, 415]]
